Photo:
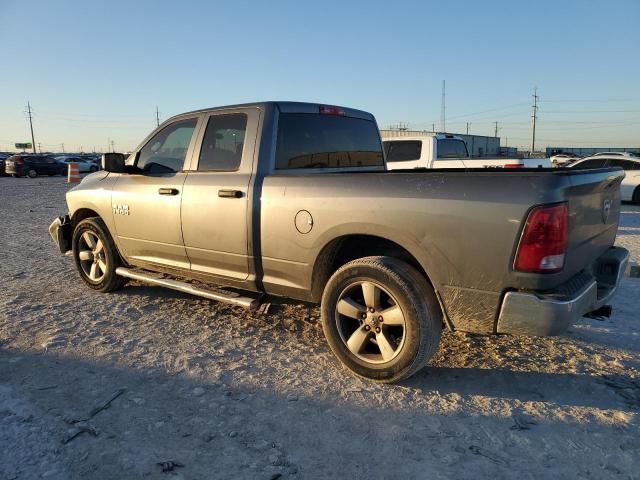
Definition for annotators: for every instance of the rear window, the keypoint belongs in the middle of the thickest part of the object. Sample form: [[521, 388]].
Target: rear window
[[326, 141], [403, 151], [452, 148]]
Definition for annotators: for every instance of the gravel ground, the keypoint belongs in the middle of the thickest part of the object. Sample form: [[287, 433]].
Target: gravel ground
[[230, 394]]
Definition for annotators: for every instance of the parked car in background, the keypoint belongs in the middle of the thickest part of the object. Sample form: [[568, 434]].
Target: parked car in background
[[3, 157], [614, 154], [431, 150], [33, 165], [84, 165], [562, 159], [630, 186]]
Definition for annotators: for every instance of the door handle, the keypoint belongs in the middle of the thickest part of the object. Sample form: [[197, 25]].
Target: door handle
[[168, 191], [230, 193]]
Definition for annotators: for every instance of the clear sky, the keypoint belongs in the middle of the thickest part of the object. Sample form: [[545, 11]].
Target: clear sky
[[95, 70]]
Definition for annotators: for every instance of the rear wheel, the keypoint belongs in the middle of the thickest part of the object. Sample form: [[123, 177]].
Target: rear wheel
[[93, 169], [32, 173], [381, 318], [96, 256], [635, 198]]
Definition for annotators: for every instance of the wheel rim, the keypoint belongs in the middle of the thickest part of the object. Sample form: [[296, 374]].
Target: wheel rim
[[370, 322], [33, 173], [92, 257]]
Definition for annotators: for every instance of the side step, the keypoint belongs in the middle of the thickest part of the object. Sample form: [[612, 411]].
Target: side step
[[247, 302]]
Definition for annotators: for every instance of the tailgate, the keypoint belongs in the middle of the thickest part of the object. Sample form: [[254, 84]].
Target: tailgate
[[594, 212]]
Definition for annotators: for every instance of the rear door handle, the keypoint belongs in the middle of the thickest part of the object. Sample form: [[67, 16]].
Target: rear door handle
[[230, 193], [168, 191]]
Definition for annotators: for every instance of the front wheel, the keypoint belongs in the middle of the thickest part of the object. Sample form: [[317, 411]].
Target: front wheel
[[635, 198], [93, 169], [32, 173], [381, 318], [95, 255]]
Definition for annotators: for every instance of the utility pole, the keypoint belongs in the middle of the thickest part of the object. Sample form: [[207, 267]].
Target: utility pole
[[39, 147], [433, 127], [112, 146], [62, 145], [468, 123], [33, 140], [443, 110], [157, 117], [495, 132], [535, 117]]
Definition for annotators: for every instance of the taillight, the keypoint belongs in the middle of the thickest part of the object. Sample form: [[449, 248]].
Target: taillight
[[514, 165], [543, 242], [329, 110]]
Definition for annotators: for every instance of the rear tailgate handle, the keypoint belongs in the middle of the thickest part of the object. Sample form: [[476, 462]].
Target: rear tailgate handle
[[168, 191], [230, 193]]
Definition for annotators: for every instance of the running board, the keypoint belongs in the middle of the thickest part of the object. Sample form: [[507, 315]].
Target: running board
[[247, 302]]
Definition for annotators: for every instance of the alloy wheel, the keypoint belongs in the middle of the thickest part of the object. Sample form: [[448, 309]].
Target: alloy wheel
[[92, 256], [370, 322]]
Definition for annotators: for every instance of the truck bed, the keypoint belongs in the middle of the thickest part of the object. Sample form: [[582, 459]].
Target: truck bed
[[462, 225]]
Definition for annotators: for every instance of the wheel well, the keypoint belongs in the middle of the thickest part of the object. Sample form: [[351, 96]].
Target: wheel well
[[345, 249], [82, 214]]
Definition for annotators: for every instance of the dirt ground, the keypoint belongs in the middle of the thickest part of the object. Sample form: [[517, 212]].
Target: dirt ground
[[228, 394]]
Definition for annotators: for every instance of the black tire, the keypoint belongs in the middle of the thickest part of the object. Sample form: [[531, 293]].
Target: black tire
[[407, 289], [635, 198], [93, 169], [95, 228], [32, 173]]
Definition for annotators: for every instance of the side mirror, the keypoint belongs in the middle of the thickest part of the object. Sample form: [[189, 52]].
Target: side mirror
[[113, 162]]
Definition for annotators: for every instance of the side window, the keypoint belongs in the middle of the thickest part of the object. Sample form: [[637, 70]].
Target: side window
[[403, 151], [223, 142], [593, 163], [625, 164], [451, 148], [166, 151]]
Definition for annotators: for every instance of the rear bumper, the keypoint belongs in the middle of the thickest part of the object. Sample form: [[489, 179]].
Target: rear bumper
[[60, 231], [550, 313]]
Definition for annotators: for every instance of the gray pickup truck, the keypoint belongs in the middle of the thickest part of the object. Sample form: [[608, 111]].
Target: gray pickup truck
[[293, 199]]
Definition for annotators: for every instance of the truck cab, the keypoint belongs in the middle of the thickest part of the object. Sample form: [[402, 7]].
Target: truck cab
[[425, 151]]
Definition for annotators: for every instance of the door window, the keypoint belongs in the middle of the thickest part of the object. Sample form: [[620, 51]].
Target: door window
[[593, 163], [166, 151], [625, 164], [223, 142], [403, 151]]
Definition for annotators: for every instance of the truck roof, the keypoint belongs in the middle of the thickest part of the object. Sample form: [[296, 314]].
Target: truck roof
[[288, 107]]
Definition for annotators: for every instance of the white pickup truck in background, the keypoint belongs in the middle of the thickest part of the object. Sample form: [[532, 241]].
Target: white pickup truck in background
[[437, 150]]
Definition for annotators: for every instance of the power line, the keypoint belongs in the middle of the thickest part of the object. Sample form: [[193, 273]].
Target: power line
[[443, 110], [535, 117], [33, 139]]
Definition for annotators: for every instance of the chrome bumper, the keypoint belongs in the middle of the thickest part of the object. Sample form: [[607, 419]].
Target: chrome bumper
[[535, 313], [60, 231]]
